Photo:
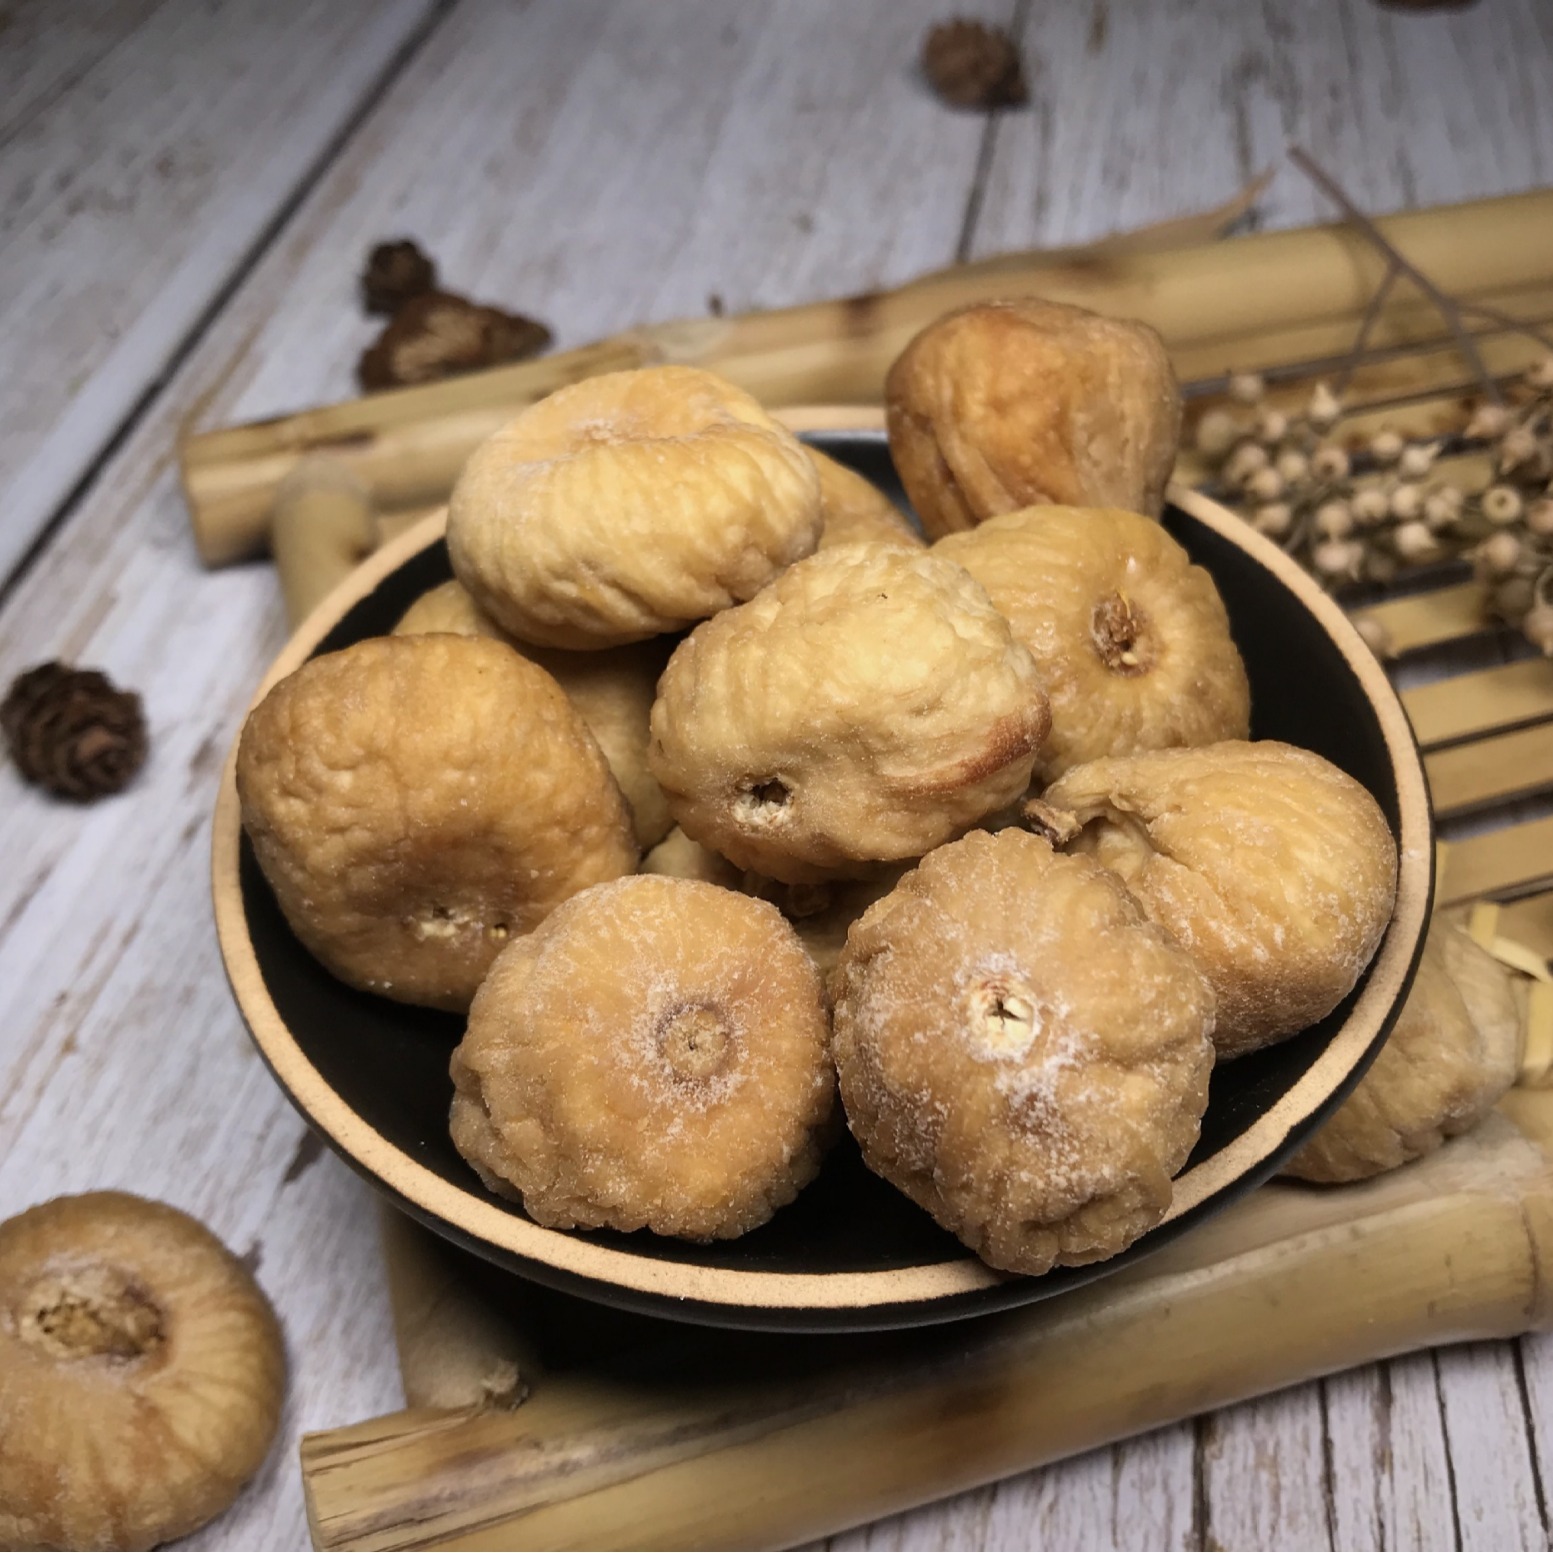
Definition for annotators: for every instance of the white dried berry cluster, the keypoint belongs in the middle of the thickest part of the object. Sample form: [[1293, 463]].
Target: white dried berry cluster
[[1367, 510]]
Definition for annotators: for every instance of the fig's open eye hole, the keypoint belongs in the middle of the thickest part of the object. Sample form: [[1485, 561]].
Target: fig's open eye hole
[[1120, 632], [762, 802]]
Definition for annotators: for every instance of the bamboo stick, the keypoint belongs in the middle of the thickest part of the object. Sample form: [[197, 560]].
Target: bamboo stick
[[322, 527], [1481, 702], [1505, 766], [1424, 619], [709, 1440], [408, 445]]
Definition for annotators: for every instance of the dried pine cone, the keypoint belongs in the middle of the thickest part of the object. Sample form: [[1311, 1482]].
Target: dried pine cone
[[972, 65], [395, 274], [71, 731], [439, 335]]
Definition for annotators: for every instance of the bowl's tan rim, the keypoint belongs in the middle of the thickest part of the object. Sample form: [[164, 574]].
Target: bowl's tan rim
[[502, 1227]]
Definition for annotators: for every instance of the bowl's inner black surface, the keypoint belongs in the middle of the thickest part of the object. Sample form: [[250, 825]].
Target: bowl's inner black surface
[[389, 1062]]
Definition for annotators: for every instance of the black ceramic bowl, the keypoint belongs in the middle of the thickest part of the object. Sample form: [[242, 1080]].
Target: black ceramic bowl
[[851, 1252]]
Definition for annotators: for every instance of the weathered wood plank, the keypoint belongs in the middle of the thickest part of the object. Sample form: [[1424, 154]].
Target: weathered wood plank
[[1409, 109], [1497, 1493], [46, 48], [1137, 1494], [1262, 1470], [132, 197], [1388, 1474], [110, 1044]]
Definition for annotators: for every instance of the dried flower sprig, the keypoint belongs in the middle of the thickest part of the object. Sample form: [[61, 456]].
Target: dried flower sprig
[[1368, 512]]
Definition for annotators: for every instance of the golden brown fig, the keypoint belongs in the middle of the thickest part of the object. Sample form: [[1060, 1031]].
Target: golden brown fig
[[867, 706], [1130, 639], [629, 505], [1439, 1074], [654, 1056], [678, 857], [141, 1374], [820, 914], [853, 509], [416, 801], [1013, 404], [612, 689], [1274, 870], [1021, 1052]]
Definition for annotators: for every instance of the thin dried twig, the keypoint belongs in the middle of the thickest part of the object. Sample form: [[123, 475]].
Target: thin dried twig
[[1366, 324], [1447, 306]]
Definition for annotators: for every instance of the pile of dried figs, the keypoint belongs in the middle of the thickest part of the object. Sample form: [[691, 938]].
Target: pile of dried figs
[[711, 791]]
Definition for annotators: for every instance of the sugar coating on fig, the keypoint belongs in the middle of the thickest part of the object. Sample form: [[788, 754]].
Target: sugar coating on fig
[[141, 1374], [1439, 1074], [1005, 405], [1021, 1052], [654, 1056], [417, 801], [866, 707], [854, 509], [613, 689], [629, 505], [1272, 868], [1131, 640]]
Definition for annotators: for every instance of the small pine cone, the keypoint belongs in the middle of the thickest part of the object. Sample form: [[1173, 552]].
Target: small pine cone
[[70, 731], [440, 335], [395, 273], [972, 65]]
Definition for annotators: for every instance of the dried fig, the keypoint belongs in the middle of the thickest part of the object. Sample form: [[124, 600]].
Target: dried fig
[[141, 1374], [1438, 1075], [1130, 639], [852, 509], [678, 857], [1274, 870], [820, 914], [867, 706], [1015, 404], [654, 1056], [629, 505], [1021, 1052], [612, 690], [416, 801]]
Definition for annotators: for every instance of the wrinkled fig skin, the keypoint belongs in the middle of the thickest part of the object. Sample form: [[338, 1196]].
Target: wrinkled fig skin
[[141, 1374], [613, 690], [1021, 1052], [630, 505], [1439, 1074], [1274, 870], [655, 1056], [416, 801], [853, 509], [865, 708], [1130, 639], [1016, 404]]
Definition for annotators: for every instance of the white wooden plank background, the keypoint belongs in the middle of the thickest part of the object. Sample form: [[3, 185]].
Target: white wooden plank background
[[596, 164]]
